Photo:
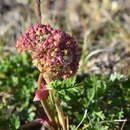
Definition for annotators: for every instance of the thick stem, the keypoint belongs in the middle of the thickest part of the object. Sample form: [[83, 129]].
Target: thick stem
[[45, 104], [61, 116]]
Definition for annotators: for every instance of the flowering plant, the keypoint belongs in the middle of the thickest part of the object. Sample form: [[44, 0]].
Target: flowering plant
[[56, 55]]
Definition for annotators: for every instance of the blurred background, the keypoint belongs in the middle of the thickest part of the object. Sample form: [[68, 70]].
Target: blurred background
[[101, 27]]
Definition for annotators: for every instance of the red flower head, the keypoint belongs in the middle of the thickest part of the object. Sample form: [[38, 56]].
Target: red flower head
[[54, 53]]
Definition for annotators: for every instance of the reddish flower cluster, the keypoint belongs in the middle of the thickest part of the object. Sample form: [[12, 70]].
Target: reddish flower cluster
[[54, 53]]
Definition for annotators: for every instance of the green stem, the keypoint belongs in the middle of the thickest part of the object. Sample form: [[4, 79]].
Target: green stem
[[47, 110], [61, 115], [45, 104], [56, 102]]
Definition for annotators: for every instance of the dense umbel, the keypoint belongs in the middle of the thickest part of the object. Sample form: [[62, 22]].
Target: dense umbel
[[54, 53]]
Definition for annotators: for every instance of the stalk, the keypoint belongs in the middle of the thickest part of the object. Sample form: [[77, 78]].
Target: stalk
[[45, 104], [56, 102], [61, 115]]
